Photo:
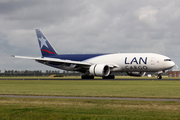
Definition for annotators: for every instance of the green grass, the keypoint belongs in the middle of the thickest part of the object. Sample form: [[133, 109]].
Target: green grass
[[98, 88], [77, 109], [71, 109]]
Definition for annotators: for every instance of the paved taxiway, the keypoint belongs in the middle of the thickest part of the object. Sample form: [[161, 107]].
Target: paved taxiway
[[97, 98]]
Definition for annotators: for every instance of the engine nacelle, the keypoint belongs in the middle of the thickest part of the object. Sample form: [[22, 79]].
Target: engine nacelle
[[99, 70], [138, 74]]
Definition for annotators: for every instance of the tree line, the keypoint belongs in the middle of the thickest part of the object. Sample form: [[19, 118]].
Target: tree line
[[37, 73], [58, 73]]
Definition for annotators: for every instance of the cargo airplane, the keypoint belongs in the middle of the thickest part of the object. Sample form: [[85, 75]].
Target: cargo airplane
[[102, 65]]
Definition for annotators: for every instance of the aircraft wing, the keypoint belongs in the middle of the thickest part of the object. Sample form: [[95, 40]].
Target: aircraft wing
[[55, 60], [60, 61]]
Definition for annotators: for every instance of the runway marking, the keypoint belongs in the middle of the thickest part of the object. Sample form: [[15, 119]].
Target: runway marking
[[97, 98]]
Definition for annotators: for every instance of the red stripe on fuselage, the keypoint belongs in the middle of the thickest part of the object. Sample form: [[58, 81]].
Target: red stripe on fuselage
[[48, 51]]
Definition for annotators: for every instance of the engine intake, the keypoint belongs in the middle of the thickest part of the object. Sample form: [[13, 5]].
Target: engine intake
[[138, 74], [99, 70]]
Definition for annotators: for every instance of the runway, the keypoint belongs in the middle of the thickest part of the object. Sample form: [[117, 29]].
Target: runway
[[90, 98], [86, 79]]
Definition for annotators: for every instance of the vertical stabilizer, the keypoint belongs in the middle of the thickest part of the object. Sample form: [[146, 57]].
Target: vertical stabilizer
[[45, 47]]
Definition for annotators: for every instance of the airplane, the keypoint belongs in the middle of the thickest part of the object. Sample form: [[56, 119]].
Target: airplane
[[102, 65]]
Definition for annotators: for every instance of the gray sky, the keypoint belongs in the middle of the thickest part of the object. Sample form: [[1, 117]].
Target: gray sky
[[88, 26]]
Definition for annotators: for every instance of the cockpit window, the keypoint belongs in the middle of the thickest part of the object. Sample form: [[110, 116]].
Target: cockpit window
[[167, 59]]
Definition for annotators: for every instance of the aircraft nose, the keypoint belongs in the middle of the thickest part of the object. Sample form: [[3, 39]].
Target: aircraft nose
[[173, 64], [169, 65]]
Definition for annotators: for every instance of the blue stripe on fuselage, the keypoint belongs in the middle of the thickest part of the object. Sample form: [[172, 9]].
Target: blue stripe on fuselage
[[76, 57]]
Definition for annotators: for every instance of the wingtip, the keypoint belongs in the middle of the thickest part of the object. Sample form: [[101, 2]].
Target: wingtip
[[12, 55]]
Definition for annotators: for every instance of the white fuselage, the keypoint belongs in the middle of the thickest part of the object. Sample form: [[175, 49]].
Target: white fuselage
[[134, 62]]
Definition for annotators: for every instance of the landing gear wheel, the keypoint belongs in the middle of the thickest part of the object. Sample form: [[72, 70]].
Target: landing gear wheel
[[108, 77], [159, 77], [87, 77]]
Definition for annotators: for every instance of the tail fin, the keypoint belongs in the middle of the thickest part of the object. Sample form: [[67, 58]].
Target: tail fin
[[45, 46]]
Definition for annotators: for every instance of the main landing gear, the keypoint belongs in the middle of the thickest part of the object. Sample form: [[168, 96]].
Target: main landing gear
[[159, 76], [87, 77], [108, 77], [92, 77]]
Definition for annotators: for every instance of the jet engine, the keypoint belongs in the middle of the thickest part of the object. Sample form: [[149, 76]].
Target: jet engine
[[99, 70], [138, 74]]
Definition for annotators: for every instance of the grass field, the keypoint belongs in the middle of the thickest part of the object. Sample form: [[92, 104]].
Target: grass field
[[41, 108], [98, 88], [72, 109]]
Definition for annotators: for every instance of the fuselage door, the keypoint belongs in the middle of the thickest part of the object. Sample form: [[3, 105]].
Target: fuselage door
[[152, 61]]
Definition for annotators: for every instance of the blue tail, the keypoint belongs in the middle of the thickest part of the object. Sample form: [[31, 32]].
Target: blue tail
[[45, 46]]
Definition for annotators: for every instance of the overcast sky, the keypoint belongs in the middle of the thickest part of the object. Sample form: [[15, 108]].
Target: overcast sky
[[88, 26]]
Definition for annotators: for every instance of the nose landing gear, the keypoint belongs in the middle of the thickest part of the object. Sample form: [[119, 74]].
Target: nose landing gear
[[159, 76]]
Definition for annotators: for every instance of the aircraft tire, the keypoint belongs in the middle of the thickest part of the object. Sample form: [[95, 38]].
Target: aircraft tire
[[108, 77], [87, 77], [159, 77]]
